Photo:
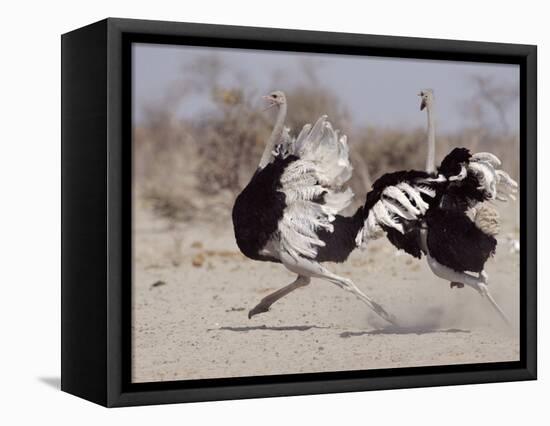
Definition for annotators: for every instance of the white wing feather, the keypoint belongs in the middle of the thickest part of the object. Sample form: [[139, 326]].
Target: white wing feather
[[322, 169], [414, 194], [495, 182], [397, 204], [492, 159]]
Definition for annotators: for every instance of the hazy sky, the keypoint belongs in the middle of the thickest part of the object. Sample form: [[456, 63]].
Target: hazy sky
[[376, 91]]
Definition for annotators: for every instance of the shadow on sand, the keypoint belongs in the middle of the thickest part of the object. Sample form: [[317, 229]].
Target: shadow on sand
[[271, 328], [402, 330], [386, 330]]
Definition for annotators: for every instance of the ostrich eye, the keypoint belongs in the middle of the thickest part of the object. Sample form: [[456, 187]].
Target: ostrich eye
[[275, 96]]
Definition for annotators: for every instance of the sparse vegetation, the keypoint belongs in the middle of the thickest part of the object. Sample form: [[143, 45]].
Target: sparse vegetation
[[186, 169]]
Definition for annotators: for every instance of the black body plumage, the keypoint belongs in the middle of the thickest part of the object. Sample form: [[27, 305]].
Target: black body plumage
[[453, 238], [455, 241], [409, 241], [341, 242], [258, 209]]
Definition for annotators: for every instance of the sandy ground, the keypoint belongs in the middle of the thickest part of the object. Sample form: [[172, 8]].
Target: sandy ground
[[192, 291]]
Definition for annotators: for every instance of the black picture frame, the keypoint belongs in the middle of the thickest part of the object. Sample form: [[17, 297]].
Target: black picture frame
[[96, 208]]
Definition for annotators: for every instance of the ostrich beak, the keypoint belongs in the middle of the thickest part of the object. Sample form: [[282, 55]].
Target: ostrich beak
[[422, 104]]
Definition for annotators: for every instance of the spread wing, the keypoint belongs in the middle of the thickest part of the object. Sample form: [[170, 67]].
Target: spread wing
[[313, 185]]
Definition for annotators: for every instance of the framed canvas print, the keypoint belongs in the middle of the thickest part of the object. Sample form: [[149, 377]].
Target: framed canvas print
[[253, 212]]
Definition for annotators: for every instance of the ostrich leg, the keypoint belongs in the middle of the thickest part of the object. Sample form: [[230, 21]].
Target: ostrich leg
[[477, 283], [313, 269], [349, 285], [271, 298]]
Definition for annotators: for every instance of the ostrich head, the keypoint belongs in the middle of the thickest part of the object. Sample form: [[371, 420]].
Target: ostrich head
[[427, 98], [276, 98]]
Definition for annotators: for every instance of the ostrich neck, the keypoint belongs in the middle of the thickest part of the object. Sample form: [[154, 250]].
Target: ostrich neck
[[430, 160], [275, 136]]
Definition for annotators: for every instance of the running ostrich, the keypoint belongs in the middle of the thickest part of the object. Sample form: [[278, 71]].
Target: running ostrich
[[485, 217], [289, 211], [450, 223]]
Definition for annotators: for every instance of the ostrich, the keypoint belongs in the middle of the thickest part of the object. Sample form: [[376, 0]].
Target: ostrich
[[485, 217], [427, 103], [444, 216], [288, 212]]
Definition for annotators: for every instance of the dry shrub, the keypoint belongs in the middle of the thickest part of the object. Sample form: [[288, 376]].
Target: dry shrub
[[386, 150], [307, 103], [189, 169], [163, 175], [229, 144], [184, 170]]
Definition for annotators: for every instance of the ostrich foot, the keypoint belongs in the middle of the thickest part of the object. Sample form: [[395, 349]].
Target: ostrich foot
[[270, 299], [456, 284], [484, 292], [349, 285], [381, 312], [260, 308], [477, 283]]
